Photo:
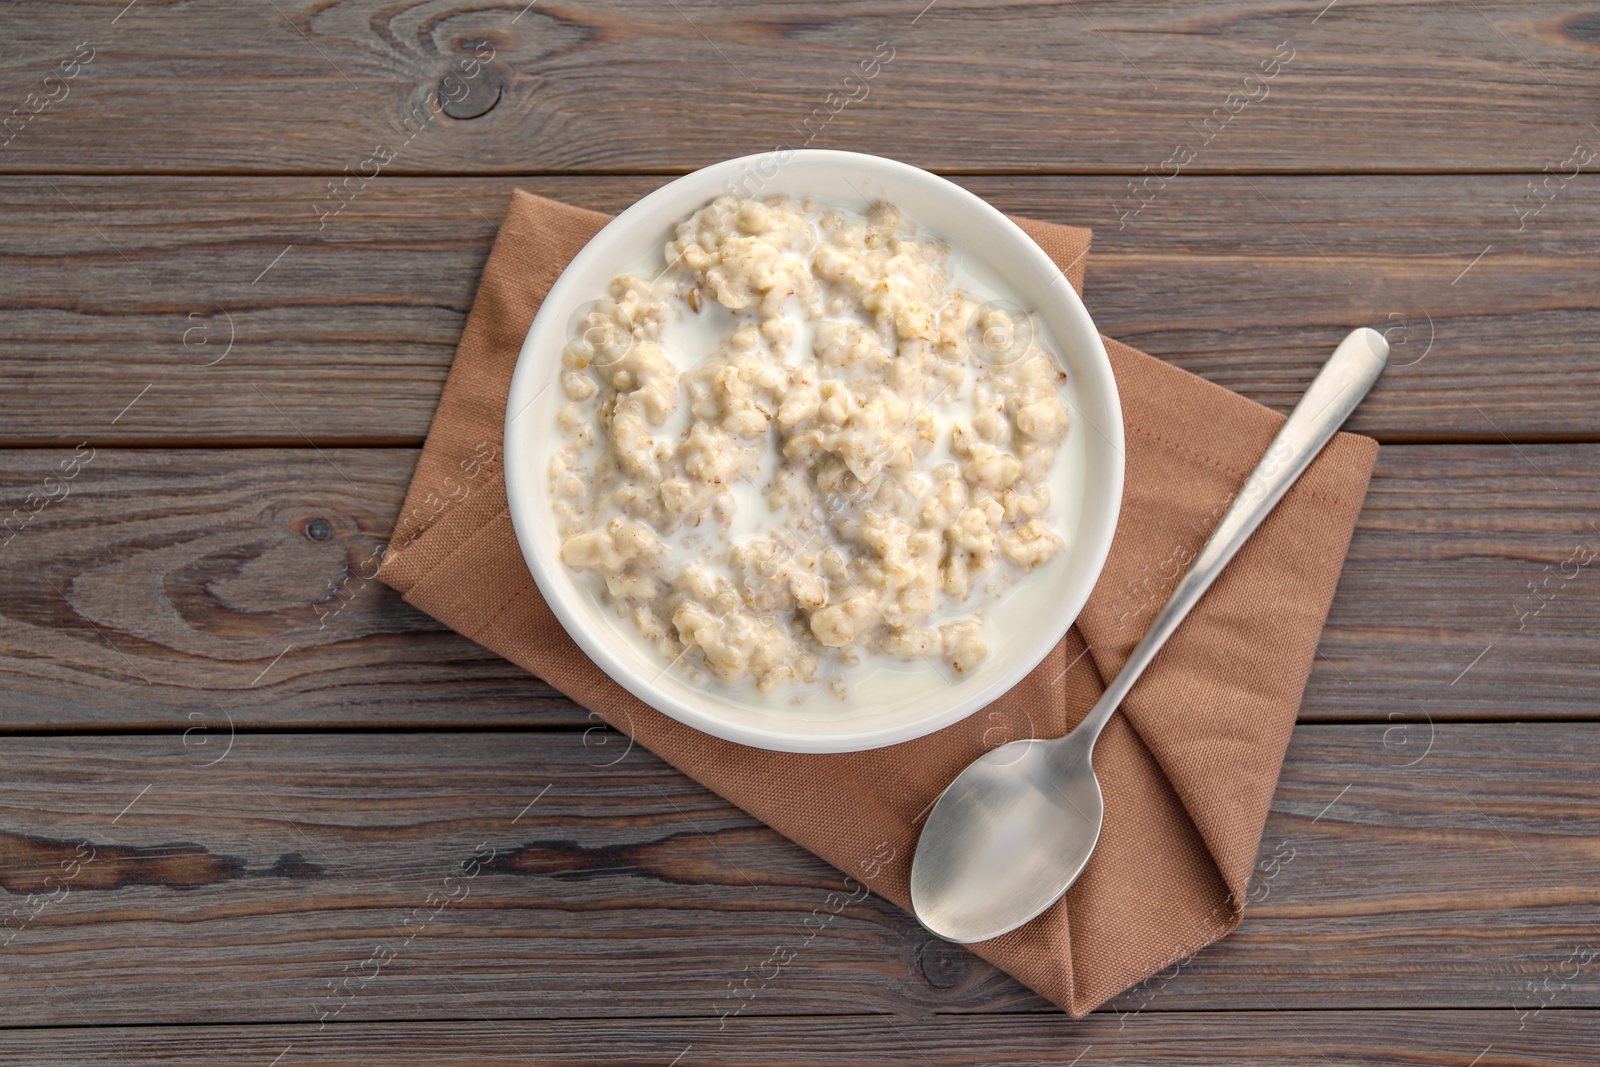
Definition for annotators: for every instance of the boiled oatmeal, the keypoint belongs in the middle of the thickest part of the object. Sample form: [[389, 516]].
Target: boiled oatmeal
[[853, 466]]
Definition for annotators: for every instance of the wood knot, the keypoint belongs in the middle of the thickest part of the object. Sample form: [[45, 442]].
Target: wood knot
[[944, 965], [470, 91]]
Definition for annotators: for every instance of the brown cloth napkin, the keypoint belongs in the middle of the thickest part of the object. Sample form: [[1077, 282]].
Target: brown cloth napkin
[[1189, 767]]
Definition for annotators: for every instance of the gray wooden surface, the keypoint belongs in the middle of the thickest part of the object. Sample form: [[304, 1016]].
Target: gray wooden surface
[[259, 765]]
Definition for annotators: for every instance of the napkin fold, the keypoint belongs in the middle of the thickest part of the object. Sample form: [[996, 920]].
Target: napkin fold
[[1188, 768]]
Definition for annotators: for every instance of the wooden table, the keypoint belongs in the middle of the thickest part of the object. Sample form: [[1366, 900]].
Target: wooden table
[[237, 772]]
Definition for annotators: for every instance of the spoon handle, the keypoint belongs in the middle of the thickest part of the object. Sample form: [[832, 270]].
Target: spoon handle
[[1347, 376]]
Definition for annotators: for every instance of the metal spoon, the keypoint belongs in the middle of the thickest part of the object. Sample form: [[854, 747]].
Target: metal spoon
[[1016, 828]]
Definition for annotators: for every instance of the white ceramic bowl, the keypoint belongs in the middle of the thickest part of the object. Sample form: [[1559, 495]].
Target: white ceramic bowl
[[977, 232]]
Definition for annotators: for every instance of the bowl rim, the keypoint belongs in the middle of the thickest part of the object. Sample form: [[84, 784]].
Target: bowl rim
[[1095, 530]]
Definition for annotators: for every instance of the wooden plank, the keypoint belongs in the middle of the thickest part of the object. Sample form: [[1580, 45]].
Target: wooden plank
[[178, 588], [1282, 1039], [117, 289], [305, 875], [170, 584], [667, 86], [1469, 590]]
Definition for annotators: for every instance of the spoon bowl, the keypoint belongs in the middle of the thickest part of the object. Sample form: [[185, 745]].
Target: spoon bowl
[[1031, 809]]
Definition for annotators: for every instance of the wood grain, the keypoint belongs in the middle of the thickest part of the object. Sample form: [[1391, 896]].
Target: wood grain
[[1079, 85], [1283, 1039], [187, 583], [181, 588], [117, 289], [612, 886]]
